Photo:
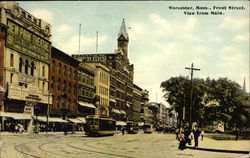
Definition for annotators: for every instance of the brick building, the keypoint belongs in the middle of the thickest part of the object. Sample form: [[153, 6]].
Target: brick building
[[63, 76]]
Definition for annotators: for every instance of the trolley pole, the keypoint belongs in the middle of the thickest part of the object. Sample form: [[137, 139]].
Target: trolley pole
[[191, 94]]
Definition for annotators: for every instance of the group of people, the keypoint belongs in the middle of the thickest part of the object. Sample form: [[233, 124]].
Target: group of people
[[186, 135], [15, 127]]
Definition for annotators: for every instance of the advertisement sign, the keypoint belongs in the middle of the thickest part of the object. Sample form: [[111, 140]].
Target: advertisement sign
[[26, 42]]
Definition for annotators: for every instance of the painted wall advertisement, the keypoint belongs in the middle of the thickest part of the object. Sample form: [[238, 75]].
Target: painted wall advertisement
[[24, 41]]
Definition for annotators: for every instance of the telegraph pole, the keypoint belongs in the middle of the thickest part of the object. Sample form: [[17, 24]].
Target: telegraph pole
[[191, 93]]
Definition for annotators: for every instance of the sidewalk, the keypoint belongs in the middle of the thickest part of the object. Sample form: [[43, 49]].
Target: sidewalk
[[28, 133], [207, 143]]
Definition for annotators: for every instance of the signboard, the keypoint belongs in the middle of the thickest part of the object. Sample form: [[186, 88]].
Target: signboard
[[26, 42], [92, 58]]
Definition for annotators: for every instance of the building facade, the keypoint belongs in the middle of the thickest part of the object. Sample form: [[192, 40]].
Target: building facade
[[121, 75], [146, 113], [102, 88], [2, 44], [135, 109], [26, 61], [63, 84], [86, 90]]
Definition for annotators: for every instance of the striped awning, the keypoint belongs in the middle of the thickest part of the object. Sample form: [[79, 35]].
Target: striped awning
[[89, 105], [16, 116], [82, 119], [56, 119], [123, 112], [121, 123], [75, 120], [116, 111], [112, 100]]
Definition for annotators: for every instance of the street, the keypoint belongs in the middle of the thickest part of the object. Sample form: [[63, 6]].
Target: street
[[56, 145]]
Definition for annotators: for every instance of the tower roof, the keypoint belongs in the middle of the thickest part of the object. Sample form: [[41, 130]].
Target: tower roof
[[123, 32]]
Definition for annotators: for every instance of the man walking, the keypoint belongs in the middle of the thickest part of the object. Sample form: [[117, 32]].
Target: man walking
[[197, 133]]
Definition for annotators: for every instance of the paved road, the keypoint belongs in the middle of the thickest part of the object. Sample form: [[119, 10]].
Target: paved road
[[118, 146]]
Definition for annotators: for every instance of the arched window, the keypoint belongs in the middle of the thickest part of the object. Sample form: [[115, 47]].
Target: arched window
[[20, 64], [26, 66], [32, 68]]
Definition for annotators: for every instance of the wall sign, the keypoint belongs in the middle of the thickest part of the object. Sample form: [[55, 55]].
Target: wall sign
[[26, 42]]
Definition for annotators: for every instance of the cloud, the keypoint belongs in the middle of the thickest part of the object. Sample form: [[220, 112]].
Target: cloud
[[43, 14], [63, 29], [234, 23], [88, 43], [242, 38]]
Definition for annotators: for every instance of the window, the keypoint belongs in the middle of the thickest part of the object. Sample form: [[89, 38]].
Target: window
[[43, 86], [11, 60], [52, 83], [58, 84], [11, 78], [52, 66], [26, 66], [59, 68], [70, 72], [64, 85], [32, 68], [69, 88], [43, 71], [20, 64], [65, 70]]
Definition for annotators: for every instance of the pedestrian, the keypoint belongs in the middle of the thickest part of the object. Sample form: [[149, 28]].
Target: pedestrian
[[65, 129], [202, 134], [123, 130], [177, 133], [186, 134], [197, 133], [236, 135], [182, 140]]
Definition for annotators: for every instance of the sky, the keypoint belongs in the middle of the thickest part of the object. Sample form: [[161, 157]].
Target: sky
[[162, 41]]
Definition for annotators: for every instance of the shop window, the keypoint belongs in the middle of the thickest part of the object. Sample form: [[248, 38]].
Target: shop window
[[20, 64], [11, 60], [32, 68], [26, 66]]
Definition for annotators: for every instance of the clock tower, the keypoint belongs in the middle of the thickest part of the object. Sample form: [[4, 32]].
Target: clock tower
[[123, 40]]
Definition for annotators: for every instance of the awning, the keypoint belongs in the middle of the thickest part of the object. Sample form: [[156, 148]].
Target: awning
[[121, 123], [116, 111], [140, 123], [56, 119], [128, 105], [82, 119], [16, 116], [42, 118], [86, 104], [123, 112], [112, 100], [75, 120]]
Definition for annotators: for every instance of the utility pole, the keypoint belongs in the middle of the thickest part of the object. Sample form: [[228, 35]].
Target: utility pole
[[191, 93]]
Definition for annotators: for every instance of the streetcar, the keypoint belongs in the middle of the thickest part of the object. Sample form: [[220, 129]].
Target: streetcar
[[148, 128], [132, 127], [99, 126]]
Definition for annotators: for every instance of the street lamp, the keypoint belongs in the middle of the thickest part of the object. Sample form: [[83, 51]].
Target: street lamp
[[47, 114]]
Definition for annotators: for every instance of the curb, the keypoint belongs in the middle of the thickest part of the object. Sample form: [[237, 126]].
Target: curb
[[220, 150]]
